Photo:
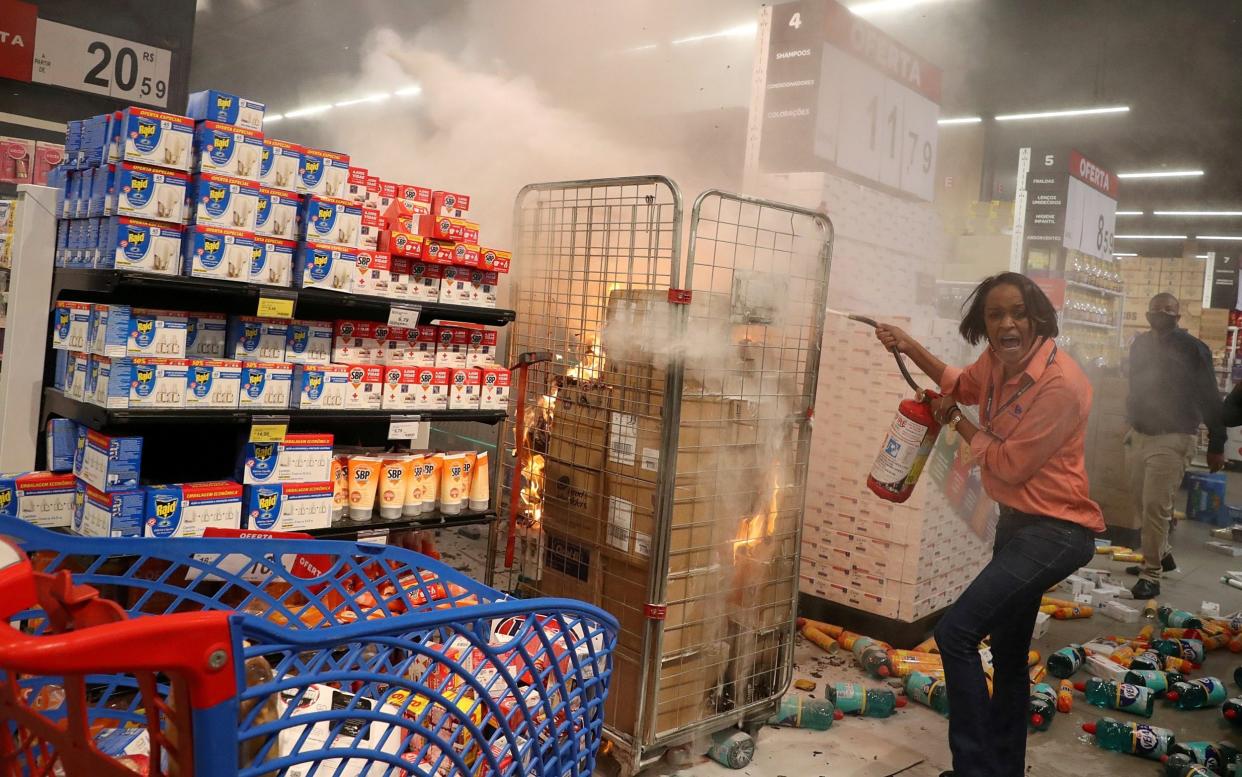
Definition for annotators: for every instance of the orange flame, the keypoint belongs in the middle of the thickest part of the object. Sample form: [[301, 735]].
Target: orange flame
[[753, 531], [591, 366]]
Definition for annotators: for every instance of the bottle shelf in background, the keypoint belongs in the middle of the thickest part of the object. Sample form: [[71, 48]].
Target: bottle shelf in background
[[347, 529], [1088, 324], [57, 404], [1094, 289], [165, 290]]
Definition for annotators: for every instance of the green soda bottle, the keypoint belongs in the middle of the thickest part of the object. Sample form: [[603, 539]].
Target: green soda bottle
[[1134, 738], [1197, 694], [1183, 767], [1233, 711], [1147, 661], [804, 712], [1189, 649], [1066, 661], [1122, 697], [861, 644], [1042, 707], [1201, 753], [874, 660], [928, 691], [853, 699], [1178, 619], [1159, 682]]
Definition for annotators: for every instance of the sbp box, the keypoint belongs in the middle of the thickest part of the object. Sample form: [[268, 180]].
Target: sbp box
[[227, 149], [401, 388], [319, 386], [265, 385], [455, 286], [432, 389], [157, 138], [494, 394], [309, 342], [449, 204], [288, 506], [331, 220], [44, 499], [365, 389], [324, 267], [217, 252], [425, 281], [141, 246], [213, 383], [453, 347], [448, 228], [186, 509], [482, 348], [213, 105], [149, 193], [372, 275], [116, 514], [257, 339], [224, 201], [351, 342], [271, 261], [464, 389], [412, 347], [107, 463], [158, 384]]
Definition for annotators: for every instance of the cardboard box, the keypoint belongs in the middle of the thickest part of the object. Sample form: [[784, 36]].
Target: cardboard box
[[266, 385], [319, 386], [356, 185], [351, 342], [373, 272], [678, 699], [271, 261], [574, 501], [305, 458], [464, 389], [45, 499], [455, 286], [71, 325], [116, 514], [324, 267], [402, 389], [449, 204], [213, 383], [227, 149], [288, 506], [158, 384], [186, 509], [141, 246], [157, 138], [323, 172], [415, 347], [579, 435], [332, 221], [257, 339], [365, 387], [496, 384], [278, 214], [107, 463], [425, 279], [572, 567], [448, 228], [62, 437], [453, 347], [224, 201], [432, 388], [630, 523], [281, 164], [218, 253], [108, 381], [205, 335], [213, 105], [308, 342]]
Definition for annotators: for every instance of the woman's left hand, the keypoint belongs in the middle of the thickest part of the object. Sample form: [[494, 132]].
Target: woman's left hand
[[943, 407]]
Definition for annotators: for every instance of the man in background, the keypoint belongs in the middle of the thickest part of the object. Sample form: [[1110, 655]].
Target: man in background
[[1172, 390]]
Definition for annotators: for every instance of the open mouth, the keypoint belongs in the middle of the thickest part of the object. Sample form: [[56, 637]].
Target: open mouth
[[1011, 342]]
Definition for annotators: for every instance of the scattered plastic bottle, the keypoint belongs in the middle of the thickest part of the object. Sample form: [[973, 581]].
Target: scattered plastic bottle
[[1122, 656], [1201, 753], [1134, 738], [859, 644], [1159, 682], [853, 699], [1216, 642], [1188, 649], [903, 663], [1235, 644], [1181, 634], [804, 712], [1147, 631], [1181, 766], [1178, 619], [1065, 696], [732, 748], [929, 691], [1042, 707], [1232, 710], [1066, 661], [1237, 677], [1149, 609], [1073, 613], [1197, 694], [1148, 661], [1122, 697], [874, 661]]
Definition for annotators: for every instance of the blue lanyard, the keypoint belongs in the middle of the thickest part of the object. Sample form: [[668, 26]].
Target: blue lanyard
[[987, 411]]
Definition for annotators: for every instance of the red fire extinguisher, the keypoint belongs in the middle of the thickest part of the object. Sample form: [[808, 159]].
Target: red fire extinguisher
[[909, 440]]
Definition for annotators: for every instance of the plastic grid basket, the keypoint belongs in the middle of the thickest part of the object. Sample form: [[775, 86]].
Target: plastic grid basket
[[298, 657]]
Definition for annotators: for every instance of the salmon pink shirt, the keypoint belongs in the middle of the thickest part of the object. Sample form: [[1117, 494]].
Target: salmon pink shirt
[[1031, 454]]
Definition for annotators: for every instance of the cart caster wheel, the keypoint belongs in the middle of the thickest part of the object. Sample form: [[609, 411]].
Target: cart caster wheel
[[753, 727]]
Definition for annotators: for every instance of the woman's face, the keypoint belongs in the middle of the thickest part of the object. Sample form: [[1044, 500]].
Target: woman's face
[[1010, 329]]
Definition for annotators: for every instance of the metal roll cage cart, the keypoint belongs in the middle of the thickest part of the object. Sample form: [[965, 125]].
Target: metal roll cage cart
[[665, 439]]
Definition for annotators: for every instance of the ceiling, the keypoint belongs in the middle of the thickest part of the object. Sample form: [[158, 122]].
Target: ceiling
[[1175, 64]]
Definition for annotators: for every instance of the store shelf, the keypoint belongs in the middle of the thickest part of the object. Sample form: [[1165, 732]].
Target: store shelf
[[320, 302], [1088, 324], [1093, 289], [346, 528], [57, 404]]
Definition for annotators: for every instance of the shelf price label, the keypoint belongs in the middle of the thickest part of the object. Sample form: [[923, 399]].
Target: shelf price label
[[404, 315], [273, 304], [269, 429], [374, 536], [86, 61], [410, 427]]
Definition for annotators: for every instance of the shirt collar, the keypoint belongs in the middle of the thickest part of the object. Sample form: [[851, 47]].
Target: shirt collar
[[1036, 363]]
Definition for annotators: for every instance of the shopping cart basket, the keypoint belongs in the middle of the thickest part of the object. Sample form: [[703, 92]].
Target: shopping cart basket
[[299, 657]]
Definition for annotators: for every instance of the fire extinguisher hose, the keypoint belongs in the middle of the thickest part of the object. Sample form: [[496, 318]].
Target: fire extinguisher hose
[[901, 363]]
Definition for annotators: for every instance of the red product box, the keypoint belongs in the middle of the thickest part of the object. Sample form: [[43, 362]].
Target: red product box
[[371, 275], [365, 388], [455, 286], [438, 252], [387, 195], [465, 255], [356, 185], [370, 227], [373, 192], [483, 288], [494, 394], [432, 389], [449, 203], [399, 278], [397, 215], [494, 259], [412, 347], [448, 228], [452, 347], [425, 281], [401, 388], [464, 389], [351, 341], [416, 198], [402, 244], [482, 348], [16, 160], [47, 156]]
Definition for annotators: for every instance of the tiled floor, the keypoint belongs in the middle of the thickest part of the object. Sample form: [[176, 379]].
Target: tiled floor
[[877, 748]]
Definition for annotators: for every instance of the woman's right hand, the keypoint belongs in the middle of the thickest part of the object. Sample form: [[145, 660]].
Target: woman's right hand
[[895, 338]]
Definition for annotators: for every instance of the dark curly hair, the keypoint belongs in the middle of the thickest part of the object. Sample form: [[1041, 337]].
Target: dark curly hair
[[1038, 307]]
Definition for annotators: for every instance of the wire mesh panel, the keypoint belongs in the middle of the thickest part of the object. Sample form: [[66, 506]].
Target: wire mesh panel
[[665, 436]]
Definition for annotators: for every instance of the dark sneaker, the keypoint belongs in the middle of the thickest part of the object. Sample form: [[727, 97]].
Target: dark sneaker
[[1167, 564], [1145, 589]]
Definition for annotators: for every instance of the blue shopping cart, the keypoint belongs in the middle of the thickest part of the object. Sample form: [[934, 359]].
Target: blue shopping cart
[[285, 657]]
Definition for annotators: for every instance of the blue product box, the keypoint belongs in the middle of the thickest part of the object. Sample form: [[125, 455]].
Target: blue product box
[[223, 201], [60, 370], [101, 194], [226, 149], [44, 499], [139, 245], [205, 335], [217, 252], [150, 193], [156, 138], [108, 463], [281, 165], [324, 267], [1205, 498], [288, 506], [265, 385], [333, 221], [62, 439], [62, 242], [309, 342], [323, 172], [122, 330], [257, 339], [271, 261], [71, 323], [214, 105], [278, 214], [186, 509], [108, 381], [115, 514], [260, 462]]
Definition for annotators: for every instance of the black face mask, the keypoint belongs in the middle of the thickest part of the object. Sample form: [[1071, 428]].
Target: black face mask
[[1162, 322]]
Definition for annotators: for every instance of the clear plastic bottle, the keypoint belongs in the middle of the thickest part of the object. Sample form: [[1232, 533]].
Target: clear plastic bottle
[[1197, 694], [853, 699], [1159, 682], [1178, 619], [929, 691], [1134, 738], [1201, 753], [804, 712], [1066, 661], [1042, 707], [1122, 697]]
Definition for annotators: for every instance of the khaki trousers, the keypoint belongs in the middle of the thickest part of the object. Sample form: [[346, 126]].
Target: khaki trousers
[[1156, 464]]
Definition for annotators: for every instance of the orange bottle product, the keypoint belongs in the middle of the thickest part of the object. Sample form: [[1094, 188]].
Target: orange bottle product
[[927, 646], [1073, 613], [819, 638], [847, 638], [825, 628], [1216, 642], [1145, 634], [1235, 644], [1175, 664], [903, 662], [1048, 609], [1058, 602], [1122, 656], [1065, 696], [1032, 658], [1180, 634], [1037, 673]]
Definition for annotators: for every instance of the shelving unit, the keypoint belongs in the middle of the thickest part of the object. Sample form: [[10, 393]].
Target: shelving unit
[[346, 528], [1091, 288]]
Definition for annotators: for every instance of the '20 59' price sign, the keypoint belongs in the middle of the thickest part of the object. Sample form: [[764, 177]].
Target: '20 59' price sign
[[86, 61]]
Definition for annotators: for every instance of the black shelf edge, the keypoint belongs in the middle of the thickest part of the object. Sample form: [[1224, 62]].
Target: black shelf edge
[[348, 528], [112, 281], [56, 403]]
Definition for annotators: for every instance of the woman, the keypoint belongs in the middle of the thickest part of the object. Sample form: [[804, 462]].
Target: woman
[[1033, 404]]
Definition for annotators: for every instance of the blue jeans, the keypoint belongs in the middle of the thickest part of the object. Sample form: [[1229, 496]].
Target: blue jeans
[[1032, 553]]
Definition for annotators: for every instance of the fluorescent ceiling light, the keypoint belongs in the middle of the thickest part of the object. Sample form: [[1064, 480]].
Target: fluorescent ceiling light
[[408, 91], [310, 110], [1197, 212], [873, 7], [1129, 213], [273, 117], [1150, 237], [740, 31], [961, 120], [1202, 256], [1163, 174], [644, 47], [371, 98], [1063, 114], [1120, 254], [1218, 237]]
